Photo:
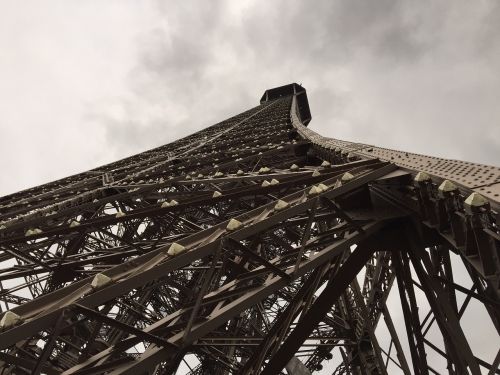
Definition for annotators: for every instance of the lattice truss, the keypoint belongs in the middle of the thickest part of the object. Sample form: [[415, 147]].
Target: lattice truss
[[253, 246]]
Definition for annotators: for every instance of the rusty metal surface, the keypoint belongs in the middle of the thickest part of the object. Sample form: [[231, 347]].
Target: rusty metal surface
[[481, 178], [220, 253]]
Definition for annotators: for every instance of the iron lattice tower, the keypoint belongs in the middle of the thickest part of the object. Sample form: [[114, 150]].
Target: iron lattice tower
[[254, 246]]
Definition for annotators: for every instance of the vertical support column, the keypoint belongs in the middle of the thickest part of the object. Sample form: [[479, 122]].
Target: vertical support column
[[395, 339], [323, 303], [446, 317], [410, 312]]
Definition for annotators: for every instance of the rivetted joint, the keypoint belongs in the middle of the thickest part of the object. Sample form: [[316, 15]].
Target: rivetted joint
[[233, 225], [74, 224], [9, 320], [422, 178], [475, 203], [175, 249], [323, 187], [314, 190], [346, 177], [274, 182], [447, 189], [100, 280], [33, 232], [281, 205], [264, 170]]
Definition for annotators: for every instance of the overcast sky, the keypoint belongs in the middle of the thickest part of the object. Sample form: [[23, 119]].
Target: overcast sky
[[83, 83]]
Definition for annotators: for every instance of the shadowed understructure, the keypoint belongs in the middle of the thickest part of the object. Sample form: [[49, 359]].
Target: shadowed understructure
[[254, 246]]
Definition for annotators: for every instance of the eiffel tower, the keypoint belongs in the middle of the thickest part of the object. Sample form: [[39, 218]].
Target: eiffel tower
[[254, 246]]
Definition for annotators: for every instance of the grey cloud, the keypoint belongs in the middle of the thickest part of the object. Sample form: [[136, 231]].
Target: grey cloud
[[388, 73], [334, 32]]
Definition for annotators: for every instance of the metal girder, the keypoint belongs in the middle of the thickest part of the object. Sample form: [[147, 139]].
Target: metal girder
[[238, 248]]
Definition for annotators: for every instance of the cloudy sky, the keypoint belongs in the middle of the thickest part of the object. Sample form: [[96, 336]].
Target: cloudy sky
[[83, 83]]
